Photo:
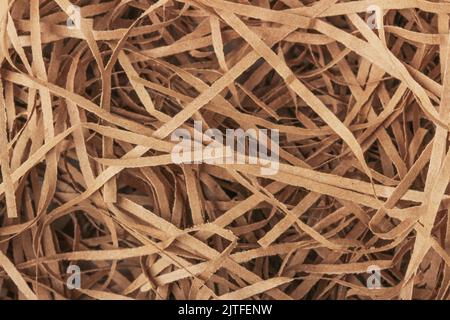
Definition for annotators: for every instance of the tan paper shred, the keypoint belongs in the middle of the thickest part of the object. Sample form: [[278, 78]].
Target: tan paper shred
[[92, 91]]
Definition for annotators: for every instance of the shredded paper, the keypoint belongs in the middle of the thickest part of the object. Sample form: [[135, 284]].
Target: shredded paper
[[224, 149]]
